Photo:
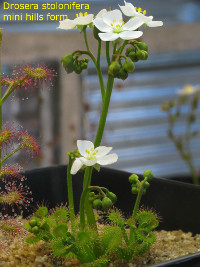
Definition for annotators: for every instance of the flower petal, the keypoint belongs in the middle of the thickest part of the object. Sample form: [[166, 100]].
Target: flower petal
[[66, 24], [103, 11], [101, 25], [77, 164], [129, 35], [145, 19], [83, 145], [132, 24], [155, 23], [109, 159], [102, 151], [128, 10], [84, 20], [112, 15], [88, 162], [108, 36]]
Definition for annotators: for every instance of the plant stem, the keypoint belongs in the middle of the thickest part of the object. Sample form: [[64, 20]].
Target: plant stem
[[120, 50], [96, 63], [136, 206], [104, 112], [107, 53], [10, 154], [70, 194], [86, 184], [137, 203], [11, 89], [84, 204]]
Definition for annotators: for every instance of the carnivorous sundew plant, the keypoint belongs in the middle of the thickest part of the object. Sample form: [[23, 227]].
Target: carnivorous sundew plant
[[78, 236], [14, 195], [186, 105]]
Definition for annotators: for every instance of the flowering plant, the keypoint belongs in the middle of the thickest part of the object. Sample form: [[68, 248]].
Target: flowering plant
[[83, 240], [185, 106]]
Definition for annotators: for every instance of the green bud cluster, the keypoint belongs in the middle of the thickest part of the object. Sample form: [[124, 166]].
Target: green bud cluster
[[74, 154], [39, 222], [102, 202], [138, 51], [136, 185], [73, 63], [120, 71]]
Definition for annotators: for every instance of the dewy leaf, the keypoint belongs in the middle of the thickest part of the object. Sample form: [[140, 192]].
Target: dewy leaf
[[61, 230]]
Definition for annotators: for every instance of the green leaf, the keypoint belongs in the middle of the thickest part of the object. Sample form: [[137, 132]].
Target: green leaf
[[41, 212], [61, 230]]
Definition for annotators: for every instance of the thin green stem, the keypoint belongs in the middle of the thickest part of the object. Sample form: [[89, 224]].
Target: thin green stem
[[86, 184], [136, 206], [121, 48], [12, 153], [138, 199], [104, 112], [98, 67], [70, 194], [114, 47], [96, 63], [99, 189], [108, 52], [11, 89]]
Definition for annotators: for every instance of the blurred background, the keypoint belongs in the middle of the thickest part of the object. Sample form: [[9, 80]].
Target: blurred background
[[69, 110]]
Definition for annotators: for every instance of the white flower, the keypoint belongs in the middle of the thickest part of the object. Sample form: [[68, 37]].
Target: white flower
[[188, 90], [92, 156], [131, 11], [113, 27], [101, 12], [80, 20]]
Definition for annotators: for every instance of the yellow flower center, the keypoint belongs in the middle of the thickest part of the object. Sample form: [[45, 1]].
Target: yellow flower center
[[91, 153], [117, 25], [139, 10], [81, 14]]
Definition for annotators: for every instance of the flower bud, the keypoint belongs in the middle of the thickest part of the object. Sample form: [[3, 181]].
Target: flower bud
[[78, 69], [97, 204], [148, 174], [129, 66], [106, 203], [85, 59], [133, 56], [146, 184], [141, 54], [67, 60], [133, 178], [35, 230], [142, 46], [33, 222], [84, 65], [112, 197], [134, 189], [123, 74], [128, 50], [114, 68]]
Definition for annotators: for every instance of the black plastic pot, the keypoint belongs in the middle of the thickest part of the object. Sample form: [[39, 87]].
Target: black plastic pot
[[177, 203]]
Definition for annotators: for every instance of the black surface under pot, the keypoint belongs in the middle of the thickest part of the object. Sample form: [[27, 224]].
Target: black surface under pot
[[177, 203]]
